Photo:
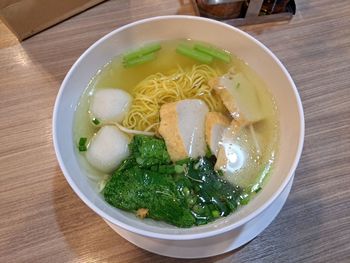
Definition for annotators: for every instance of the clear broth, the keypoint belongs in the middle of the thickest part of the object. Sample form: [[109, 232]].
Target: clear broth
[[114, 75]]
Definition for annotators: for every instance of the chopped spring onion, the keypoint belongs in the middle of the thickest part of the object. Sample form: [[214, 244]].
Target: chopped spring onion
[[208, 153], [196, 165], [186, 191], [82, 148], [215, 213], [82, 141], [191, 200], [147, 49], [96, 121], [82, 144], [258, 190], [138, 60], [195, 54], [179, 169], [244, 199], [214, 52]]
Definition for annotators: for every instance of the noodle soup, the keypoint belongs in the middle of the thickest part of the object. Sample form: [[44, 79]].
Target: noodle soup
[[195, 140]]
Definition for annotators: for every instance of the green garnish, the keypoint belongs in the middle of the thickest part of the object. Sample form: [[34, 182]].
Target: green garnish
[[215, 213], [208, 152], [191, 201], [139, 160], [82, 148], [214, 52], [149, 151], [82, 144], [82, 141], [193, 53], [139, 60], [238, 84], [179, 169], [244, 199], [183, 162], [138, 53], [189, 192], [258, 190], [96, 121], [186, 191]]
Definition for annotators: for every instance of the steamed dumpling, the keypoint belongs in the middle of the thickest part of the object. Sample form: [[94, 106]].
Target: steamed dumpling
[[182, 126], [107, 149], [110, 104]]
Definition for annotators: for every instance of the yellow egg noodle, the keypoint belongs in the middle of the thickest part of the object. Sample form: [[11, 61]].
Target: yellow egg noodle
[[154, 91]]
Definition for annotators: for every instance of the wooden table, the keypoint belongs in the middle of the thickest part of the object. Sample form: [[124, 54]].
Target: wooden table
[[42, 220]]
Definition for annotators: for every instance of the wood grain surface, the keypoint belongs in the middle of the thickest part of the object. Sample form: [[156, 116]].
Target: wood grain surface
[[42, 220]]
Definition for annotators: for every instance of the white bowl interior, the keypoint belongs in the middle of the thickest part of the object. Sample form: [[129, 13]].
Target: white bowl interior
[[179, 27]]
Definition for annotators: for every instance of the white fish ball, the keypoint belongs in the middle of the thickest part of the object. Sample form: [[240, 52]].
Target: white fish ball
[[107, 149], [110, 104]]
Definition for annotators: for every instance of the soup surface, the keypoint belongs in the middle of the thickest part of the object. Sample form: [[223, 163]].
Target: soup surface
[[178, 131]]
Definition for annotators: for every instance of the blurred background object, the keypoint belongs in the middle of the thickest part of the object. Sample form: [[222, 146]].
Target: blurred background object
[[224, 9], [273, 7], [28, 17], [243, 12]]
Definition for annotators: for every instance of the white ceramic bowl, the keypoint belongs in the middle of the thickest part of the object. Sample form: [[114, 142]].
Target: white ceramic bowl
[[224, 234]]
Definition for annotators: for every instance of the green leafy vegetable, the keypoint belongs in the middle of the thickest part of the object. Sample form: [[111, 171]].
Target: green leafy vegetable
[[136, 188], [189, 192], [149, 151]]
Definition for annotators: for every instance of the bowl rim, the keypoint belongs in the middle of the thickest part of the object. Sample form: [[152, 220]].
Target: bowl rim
[[147, 233]]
